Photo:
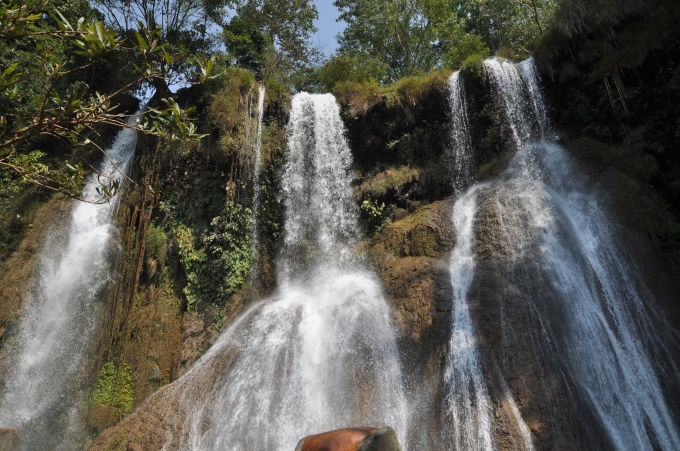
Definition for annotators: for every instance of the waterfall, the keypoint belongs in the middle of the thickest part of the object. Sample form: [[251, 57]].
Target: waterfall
[[256, 176], [316, 184], [319, 355], [462, 158], [587, 307], [467, 397], [44, 391]]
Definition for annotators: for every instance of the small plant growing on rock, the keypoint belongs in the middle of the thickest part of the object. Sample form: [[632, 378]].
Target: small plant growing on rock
[[378, 215]]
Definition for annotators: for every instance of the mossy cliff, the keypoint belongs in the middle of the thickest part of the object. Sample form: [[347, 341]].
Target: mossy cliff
[[187, 260]]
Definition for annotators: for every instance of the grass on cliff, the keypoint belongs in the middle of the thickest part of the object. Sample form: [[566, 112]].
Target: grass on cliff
[[361, 96]]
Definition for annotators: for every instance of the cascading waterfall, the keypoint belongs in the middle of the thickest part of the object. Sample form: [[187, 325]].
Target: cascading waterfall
[[463, 162], [256, 174], [557, 246], [43, 393], [319, 355], [467, 397]]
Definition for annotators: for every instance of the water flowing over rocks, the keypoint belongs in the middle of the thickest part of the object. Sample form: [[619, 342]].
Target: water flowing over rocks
[[44, 390]]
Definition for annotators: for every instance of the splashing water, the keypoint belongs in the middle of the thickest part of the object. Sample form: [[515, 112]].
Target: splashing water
[[43, 392], [321, 216], [467, 397]]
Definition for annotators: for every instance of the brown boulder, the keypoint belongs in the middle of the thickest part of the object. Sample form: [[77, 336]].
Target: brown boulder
[[352, 439], [9, 440]]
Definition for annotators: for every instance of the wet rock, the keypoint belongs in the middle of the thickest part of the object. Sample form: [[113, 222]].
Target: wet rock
[[384, 439], [411, 258], [352, 439], [9, 440]]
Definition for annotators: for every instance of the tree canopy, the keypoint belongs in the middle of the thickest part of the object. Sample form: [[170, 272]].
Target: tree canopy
[[47, 60]]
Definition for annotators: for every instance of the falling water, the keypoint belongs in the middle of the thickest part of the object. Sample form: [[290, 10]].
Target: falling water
[[463, 163], [316, 184], [256, 174], [319, 355], [43, 393], [467, 398], [597, 314]]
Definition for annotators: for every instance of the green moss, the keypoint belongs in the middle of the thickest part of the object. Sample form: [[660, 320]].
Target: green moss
[[360, 97], [420, 234], [114, 388], [156, 249], [391, 181], [413, 90], [276, 92], [473, 65]]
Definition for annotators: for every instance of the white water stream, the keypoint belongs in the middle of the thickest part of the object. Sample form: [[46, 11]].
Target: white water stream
[[463, 160], [257, 150], [60, 320]]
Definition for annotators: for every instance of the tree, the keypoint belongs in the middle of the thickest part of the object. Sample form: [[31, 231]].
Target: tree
[[288, 26], [180, 21], [186, 26], [513, 25], [407, 37], [42, 92], [245, 42]]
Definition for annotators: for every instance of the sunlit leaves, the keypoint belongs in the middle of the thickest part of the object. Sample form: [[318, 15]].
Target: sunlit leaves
[[16, 16], [43, 93], [172, 122], [96, 40]]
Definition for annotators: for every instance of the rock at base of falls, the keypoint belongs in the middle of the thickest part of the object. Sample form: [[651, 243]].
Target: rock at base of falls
[[352, 439], [9, 440]]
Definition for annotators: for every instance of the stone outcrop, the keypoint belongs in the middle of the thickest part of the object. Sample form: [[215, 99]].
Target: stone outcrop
[[412, 258]]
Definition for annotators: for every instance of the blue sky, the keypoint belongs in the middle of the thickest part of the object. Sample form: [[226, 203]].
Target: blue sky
[[328, 27]]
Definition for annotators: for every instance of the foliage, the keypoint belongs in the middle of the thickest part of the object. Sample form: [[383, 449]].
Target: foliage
[[391, 180], [508, 27], [288, 26], [183, 23], [469, 47], [360, 97], [349, 67], [156, 243], [45, 58], [245, 42], [406, 37], [378, 217], [216, 262], [114, 388], [156, 248], [193, 261], [228, 241]]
